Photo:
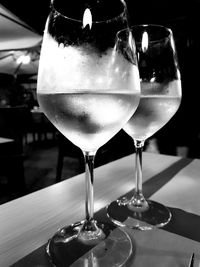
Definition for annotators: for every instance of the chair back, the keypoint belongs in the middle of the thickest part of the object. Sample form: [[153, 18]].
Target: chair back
[[13, 122]]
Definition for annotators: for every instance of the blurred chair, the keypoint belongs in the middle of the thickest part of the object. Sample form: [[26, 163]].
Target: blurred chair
[[41, 126], [67, 149], [119, 146], [13, 123]]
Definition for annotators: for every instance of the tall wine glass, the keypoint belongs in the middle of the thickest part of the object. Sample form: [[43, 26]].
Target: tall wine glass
[[88, 87], [160, 99]]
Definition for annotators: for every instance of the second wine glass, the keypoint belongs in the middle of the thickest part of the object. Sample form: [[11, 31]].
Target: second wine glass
[[160, 99]]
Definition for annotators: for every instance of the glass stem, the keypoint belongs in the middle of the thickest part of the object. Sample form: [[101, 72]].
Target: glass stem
[[139, 145], [89, 182], [90, 232], [138, 203], [89, 225]]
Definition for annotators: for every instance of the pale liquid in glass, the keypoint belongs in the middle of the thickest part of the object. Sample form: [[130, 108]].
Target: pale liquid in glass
[[87, 96], [153, 112], [88, 119]]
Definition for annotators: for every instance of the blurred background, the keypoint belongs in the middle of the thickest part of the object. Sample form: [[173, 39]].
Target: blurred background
[[33, 154]]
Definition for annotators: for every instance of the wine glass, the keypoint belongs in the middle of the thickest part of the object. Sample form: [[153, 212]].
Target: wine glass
[[88, 87], [160, 99]]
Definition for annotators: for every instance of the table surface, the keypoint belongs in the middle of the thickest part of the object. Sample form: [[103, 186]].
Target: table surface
[[28, 222]]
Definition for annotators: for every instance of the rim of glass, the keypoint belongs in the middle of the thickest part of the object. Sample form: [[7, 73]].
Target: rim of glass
[[129, 29], [52, 7]]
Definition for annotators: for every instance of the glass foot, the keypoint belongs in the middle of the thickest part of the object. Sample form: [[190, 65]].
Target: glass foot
[[123, 214], [71, 247]]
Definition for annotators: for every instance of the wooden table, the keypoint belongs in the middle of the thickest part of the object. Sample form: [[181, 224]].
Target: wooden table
[[27, 223]]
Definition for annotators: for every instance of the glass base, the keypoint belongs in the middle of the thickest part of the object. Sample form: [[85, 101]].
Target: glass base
[[156, 215], [71, 247]]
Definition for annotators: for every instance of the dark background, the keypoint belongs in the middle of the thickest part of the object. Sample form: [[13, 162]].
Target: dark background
[[183, 17], [174, 12]]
